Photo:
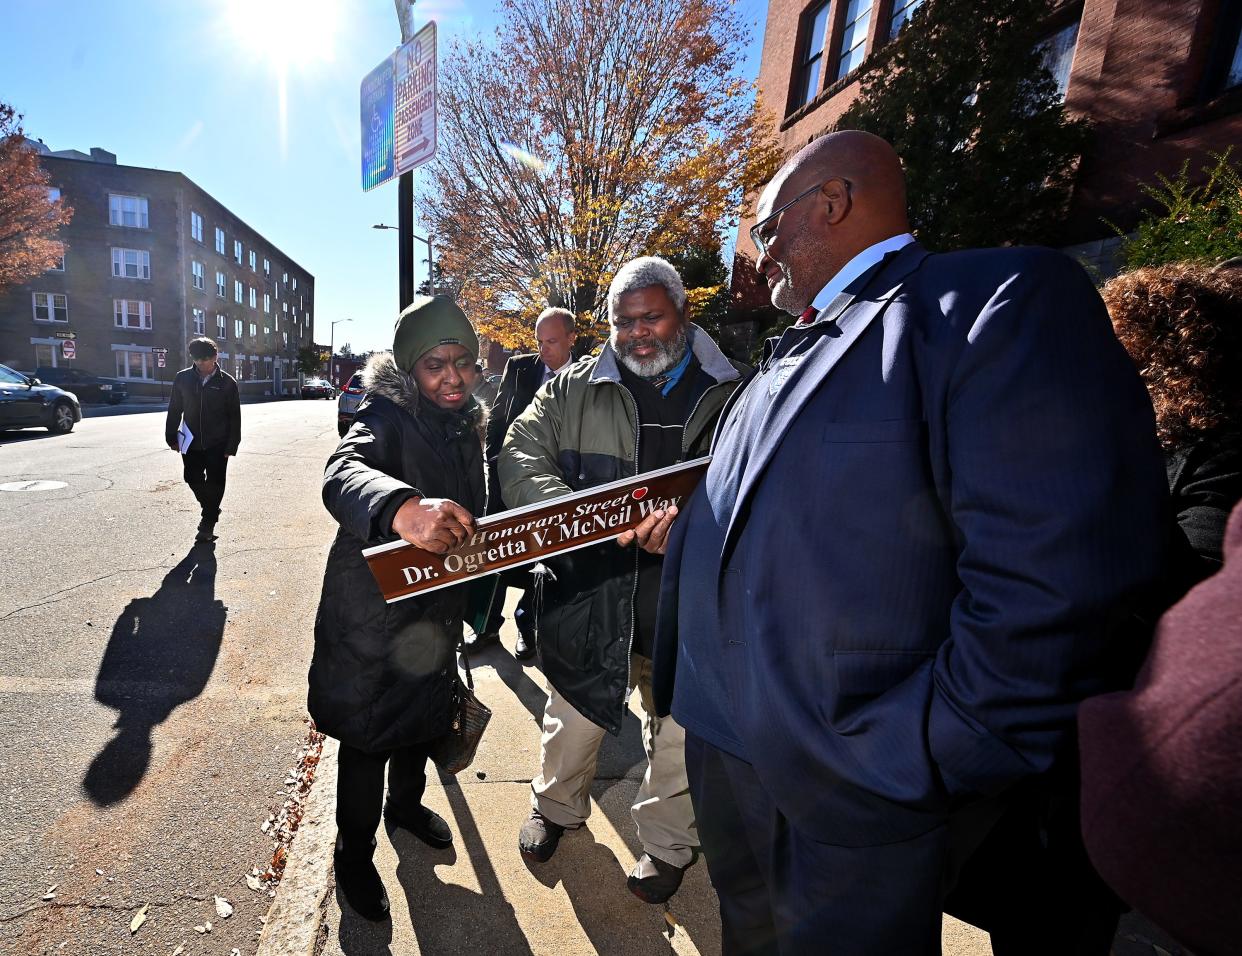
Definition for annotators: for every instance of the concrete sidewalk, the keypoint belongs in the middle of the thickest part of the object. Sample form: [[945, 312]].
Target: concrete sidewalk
[[479, 897]]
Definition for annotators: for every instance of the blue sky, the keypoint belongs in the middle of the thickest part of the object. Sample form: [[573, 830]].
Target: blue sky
[[196, 86]]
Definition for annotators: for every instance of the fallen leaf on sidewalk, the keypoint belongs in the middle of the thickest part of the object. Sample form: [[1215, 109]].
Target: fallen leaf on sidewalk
[[224, 909], [99, 872], [139, 918], [200, 929], [252, 881], [48, 896], [179, 950]]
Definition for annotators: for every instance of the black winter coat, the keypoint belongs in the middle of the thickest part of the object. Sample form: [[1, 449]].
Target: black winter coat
[[212, 411], [383, 675]]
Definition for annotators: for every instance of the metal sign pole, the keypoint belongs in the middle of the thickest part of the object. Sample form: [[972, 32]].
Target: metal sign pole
[[405, 238]]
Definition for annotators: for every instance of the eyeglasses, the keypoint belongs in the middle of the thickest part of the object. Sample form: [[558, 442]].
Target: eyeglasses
[[756, 231]]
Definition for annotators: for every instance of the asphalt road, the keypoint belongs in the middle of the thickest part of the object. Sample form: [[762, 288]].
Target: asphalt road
[[151, 692]]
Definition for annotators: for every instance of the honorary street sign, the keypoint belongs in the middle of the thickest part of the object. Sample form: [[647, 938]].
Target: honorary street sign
[[398, 111], [530, 534]]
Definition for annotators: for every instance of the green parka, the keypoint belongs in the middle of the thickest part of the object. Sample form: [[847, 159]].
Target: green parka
[[581, 430]]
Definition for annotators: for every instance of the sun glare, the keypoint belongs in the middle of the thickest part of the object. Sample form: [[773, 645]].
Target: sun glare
[[285, 32]]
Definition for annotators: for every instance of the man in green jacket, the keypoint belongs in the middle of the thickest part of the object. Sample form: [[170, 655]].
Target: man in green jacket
[[648, 400]]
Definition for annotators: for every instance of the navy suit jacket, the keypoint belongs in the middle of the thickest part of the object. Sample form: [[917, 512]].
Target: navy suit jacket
[[950, 507]]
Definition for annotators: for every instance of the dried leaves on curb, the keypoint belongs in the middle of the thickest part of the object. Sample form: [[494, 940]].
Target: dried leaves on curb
[[282, 825], [139, 918]]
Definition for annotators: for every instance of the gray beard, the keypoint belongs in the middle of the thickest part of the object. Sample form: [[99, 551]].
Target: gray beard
[[668, 354], [785, 297]]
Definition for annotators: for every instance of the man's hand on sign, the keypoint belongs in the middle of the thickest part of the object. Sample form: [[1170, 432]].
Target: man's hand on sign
[[651, 534], [433, 524]]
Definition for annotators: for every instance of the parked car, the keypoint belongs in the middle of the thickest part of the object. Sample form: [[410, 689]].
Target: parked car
[[316, 388], [351, 397], [86, 385], [25, 402]]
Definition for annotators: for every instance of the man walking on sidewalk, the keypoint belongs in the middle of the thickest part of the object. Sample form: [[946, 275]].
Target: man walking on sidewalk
[[524, 375], [205, 403], [650, 399]]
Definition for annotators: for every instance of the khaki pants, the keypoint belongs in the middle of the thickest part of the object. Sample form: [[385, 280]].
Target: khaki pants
[[568, 754]]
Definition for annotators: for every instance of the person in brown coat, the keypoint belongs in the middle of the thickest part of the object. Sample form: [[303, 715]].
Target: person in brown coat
[[1162, 769]]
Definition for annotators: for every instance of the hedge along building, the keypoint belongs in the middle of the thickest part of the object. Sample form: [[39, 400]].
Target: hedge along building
[[151, 261], [1160, 81]]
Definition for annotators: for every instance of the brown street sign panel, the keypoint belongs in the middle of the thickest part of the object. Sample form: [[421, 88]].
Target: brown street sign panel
[[530, 534]]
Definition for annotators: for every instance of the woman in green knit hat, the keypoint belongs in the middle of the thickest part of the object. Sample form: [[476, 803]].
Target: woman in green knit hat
[[383, 676]]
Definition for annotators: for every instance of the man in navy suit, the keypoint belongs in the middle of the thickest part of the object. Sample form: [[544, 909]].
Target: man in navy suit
[[926, 520]]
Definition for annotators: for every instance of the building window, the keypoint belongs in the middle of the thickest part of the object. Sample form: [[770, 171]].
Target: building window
[[285, 336], [267, 268], [284, 277], [220, 284], [237, 251], [127, 211], [267, 330], [237, 292], [254, 330], [254, 301], [854, 39], [253, 261], [222, 328], [285, 306], [53, 194], [219, 240], [199, 275], [1225, 60], [59, 264], [237, 329], [196, 226], [903, 10], [813, 55], [135, 364], [267, 303], [1058, 56], [200, 322], [131, 263], [295, 283], [45, 357], [131, 314], [50, 307]]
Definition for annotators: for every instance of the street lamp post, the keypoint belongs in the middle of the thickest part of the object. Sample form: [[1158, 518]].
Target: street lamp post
[[431, 279], [332, 351]]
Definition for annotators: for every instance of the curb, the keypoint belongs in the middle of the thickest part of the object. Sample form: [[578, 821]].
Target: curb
[[294, 919]]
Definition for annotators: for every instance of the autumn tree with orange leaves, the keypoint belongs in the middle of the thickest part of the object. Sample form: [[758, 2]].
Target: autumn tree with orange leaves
[[584, 133], [29, 220]]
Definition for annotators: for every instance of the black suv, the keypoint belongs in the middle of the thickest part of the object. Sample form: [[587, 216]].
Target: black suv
[[88, 387]]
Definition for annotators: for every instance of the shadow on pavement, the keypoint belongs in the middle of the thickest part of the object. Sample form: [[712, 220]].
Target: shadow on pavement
[[482, 922], [160, 655], [361, 937], [28, 434]]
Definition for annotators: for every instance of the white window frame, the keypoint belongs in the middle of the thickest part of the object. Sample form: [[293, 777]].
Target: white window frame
[[238, 295], [267, 303], [254, 298], [121, 315], [222, 284], [60, 263], [222, 327], [855, 34], [198, 275], [295, 283], [238, 329], [237, 251], [254, 330], [196, 226], [219, 240], [122, 206], [147, 363], [253, 261], [267, 268], [200, 321], [50, 307], [285, 335], [121, 263]]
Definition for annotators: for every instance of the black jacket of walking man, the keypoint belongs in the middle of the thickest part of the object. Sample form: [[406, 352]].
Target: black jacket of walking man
[[524, 374], [206, 398]]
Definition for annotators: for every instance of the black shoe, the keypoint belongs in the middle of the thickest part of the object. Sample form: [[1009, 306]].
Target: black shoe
[[206, 530], [481, 642], [539, 836], [654, 881], [423, 822], [359, 882], [526, 646]]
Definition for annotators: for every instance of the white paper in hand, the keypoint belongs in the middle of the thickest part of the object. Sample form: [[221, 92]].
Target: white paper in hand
[[184, 437]]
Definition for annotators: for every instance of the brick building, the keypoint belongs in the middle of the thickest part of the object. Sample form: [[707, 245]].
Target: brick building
[[1161, 81], [151, 260]]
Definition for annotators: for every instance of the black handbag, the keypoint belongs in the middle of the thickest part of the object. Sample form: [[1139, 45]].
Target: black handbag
[[455, 750]]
